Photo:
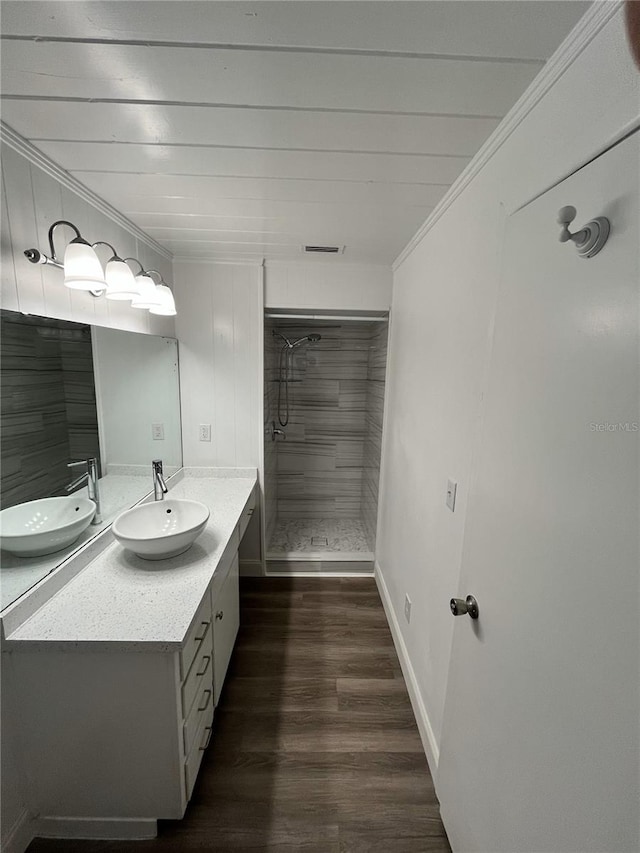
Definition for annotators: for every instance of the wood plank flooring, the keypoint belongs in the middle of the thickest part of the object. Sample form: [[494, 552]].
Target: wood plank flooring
[[315, 747]]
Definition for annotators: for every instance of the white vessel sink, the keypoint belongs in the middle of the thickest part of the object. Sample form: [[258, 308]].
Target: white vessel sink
[[42, 527], [162, 529]]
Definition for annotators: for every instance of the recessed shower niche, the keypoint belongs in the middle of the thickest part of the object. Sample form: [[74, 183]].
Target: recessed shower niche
[[323, 406]]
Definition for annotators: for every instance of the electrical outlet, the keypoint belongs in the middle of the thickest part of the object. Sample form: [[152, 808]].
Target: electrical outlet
[[205, 432], [407, 608], [452, 488], [157, 432]]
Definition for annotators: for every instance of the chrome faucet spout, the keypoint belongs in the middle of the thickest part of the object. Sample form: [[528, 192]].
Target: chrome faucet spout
[[160, 488], [90, 477]]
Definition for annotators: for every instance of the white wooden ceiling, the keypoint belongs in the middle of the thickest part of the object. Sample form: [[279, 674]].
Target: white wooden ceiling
[[247, 129]]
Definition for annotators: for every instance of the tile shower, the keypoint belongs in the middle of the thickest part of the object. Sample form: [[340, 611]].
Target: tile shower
[[321, 474]]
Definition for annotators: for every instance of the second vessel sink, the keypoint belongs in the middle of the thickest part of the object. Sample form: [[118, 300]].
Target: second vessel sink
[[45, 526], [162, 529]]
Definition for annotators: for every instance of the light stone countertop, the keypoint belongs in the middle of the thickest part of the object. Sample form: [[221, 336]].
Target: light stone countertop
[[120, 601]]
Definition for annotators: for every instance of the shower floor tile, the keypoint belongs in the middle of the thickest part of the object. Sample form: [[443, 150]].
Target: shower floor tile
[[319, 534]]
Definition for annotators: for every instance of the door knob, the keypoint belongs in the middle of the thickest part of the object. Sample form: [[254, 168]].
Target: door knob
[[461, 606]]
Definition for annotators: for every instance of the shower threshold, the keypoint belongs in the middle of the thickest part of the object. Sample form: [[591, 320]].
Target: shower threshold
[[326, 545]]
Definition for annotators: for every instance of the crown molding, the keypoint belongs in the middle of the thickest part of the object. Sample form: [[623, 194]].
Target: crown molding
[[212, 259], [587, 28], [13, 139]]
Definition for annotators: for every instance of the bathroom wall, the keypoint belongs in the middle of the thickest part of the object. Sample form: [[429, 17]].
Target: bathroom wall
[[48, 416], [33, 198], [327, 284], [444, 298], [220, 329], [374, 411]]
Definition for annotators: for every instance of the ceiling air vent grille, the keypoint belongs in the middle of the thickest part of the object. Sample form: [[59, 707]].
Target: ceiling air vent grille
[[323, 250]]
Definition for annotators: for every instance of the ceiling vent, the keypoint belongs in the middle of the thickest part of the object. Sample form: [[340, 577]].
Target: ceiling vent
[[323, 250]]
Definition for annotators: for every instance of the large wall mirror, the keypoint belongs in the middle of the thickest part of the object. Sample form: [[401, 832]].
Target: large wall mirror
[[73, 393]]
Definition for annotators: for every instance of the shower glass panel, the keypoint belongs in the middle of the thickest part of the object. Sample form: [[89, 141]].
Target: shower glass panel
[[324, 398]]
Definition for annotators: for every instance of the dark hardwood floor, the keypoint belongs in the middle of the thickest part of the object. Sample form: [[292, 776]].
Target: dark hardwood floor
[[315, 746]]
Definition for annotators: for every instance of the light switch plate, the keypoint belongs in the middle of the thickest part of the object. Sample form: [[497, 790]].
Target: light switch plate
[[157, 432], [452, 488], [407, 608], [204, 432]]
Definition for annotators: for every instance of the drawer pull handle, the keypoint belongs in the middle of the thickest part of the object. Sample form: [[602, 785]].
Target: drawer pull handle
[[204, 633], [206, 658], [249, 512], [210, 730], [220, 614], [208, 699]]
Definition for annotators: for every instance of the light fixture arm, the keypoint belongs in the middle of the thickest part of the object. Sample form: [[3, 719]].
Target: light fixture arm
[[78, 236], [162, 281], [142, 270], [104, 243]]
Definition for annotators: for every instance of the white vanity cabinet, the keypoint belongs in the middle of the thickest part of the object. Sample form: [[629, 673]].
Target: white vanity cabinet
[[113, 734]]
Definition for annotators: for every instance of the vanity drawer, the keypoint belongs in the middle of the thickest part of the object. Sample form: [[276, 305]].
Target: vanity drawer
[[199, 710], [247, 514], [201, 626], [201, 673], [200, 743]]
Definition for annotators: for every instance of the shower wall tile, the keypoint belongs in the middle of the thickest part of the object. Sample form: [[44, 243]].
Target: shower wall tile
[[320, 463], [328, 466], [373, 440], [270, 447]]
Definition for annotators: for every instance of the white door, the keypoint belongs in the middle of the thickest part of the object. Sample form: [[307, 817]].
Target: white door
[[540, 747]]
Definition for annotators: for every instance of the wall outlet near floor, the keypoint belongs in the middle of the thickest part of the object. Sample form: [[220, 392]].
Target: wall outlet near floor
[[157, 432], [204, 432], [407, 608], [452, 488]]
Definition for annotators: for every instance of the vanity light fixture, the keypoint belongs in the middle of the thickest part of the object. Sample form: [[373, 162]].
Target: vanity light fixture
[[81, 265], [165, 305], [83, 271], [146, 296], [121, 284]]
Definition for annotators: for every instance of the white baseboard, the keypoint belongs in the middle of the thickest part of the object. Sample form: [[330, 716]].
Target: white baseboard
[[427, 736], [21, 834], [96, 828]]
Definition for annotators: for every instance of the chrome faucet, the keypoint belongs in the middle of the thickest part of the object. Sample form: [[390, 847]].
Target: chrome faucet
[[90, 477], [159, 486], [274, 431]]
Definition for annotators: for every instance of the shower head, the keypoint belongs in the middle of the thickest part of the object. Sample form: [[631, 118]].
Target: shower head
[[307, 339], [291, 344]]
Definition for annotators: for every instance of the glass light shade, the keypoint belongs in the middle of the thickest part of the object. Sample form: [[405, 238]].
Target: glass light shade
[[167, 306], [82, 268], [121, 283], [147, 296]]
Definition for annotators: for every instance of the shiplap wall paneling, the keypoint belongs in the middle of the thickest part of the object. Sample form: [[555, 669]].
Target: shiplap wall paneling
[[219, 326], [33, 200]]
